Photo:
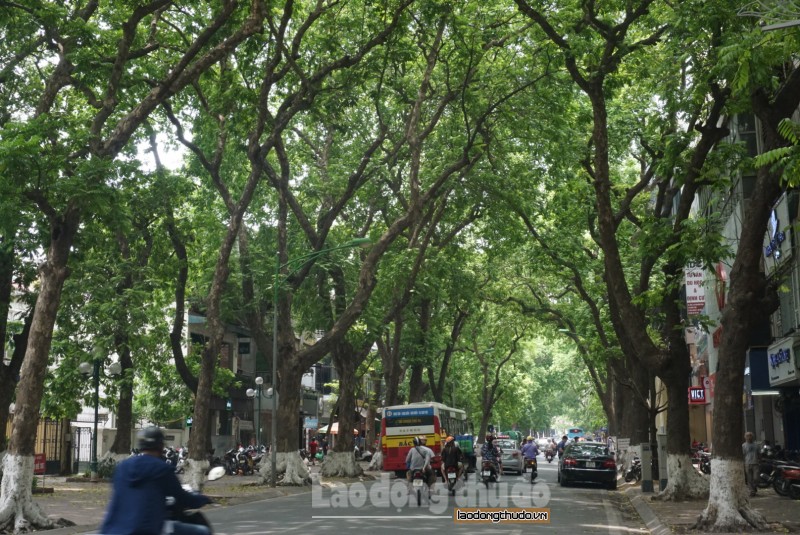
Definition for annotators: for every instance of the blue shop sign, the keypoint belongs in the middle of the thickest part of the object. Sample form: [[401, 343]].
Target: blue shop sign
[[778, 358]]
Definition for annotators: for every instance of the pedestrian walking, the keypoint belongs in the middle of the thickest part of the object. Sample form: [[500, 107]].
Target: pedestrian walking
[[750, 452], [324, 445], [312, 451]]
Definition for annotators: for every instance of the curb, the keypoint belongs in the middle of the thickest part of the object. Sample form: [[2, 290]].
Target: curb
[[651, 520]]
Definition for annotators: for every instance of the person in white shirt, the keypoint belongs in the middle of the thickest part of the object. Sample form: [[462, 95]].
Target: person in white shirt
[[419, 458]]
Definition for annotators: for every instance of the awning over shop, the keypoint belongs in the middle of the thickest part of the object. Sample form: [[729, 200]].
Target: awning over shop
[[334, 429]]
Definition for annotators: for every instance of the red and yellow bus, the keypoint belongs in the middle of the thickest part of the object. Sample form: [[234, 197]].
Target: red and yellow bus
[[401, 423]]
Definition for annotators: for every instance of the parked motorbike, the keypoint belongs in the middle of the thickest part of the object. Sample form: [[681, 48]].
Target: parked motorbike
[[488, 473], [635, 471], [171, 456], [257, 454], [530, 464], [244, 462], [787, 481], [705, 462], [230, 462]]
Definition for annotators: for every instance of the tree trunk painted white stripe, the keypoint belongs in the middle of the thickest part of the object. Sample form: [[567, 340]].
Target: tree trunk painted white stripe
[[18, 511], [728, 507], [341, 464], [683, 480]]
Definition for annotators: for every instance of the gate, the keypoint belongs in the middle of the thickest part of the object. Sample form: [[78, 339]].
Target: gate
[[51, 444], [82, 440], [49, 441]]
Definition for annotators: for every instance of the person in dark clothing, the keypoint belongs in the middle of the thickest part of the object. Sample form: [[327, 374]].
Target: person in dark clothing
[[452, 456], [141, 486], [561, 445]]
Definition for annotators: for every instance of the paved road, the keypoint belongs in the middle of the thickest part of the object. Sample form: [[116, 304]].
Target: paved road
[[384, 506]]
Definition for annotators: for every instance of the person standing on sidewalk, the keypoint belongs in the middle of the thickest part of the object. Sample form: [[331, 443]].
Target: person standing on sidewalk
[[750, 452]]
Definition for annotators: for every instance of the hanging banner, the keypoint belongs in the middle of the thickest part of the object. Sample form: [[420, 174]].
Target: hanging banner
[[695, 291]]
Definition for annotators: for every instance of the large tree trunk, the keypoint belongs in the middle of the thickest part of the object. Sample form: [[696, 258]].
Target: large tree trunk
[[392, 371], [416, 384], [374, 397], [684, 481], [17, 509], [122, 440], [288, 460], [342, 463], [750, 298]]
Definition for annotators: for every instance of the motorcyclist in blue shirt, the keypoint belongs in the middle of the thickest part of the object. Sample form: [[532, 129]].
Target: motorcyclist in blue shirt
[[530, 450], [141, 485]]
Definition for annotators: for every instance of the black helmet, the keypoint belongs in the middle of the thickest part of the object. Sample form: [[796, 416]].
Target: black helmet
[[150, 438], [416, 441]]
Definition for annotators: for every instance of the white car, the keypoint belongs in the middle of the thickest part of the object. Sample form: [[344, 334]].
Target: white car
[[512, 458]]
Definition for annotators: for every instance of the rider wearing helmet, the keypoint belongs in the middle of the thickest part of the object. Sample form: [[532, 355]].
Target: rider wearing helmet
[[451, 456], [419, 457], [490, 452], [530, 450], [141, 486]]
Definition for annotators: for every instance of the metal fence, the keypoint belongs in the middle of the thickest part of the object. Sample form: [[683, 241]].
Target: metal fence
[[82, 449]]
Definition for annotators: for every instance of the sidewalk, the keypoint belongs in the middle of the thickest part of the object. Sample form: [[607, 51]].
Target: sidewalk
[[663, 518]]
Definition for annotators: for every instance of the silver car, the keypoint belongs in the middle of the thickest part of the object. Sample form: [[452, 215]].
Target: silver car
[[512, 457]]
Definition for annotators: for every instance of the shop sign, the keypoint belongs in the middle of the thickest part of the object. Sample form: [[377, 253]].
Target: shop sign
[[781, 362], [697, 395], [777, 240], [695, 291]]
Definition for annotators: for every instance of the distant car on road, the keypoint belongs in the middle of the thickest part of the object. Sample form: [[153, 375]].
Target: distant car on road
[[588, 462], [512, 457]]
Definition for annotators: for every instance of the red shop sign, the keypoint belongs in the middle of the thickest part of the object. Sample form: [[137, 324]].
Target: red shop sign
[[697, 395]]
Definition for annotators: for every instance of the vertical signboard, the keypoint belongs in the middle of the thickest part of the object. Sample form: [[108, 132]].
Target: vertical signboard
[[695, 291]]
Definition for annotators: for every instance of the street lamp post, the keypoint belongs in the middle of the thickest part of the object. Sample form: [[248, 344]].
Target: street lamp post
[[93, 369], [257, 392], [300, 261]]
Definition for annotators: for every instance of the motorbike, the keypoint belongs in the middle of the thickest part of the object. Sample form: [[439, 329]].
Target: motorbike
[[530, 464], [549, 456], [190, 516], [418, 484], [768, 471], [488, 473], [787, 481], [451, 474], [171, 457], [244, 462], [230, 462], [635, 471], [705, 462]]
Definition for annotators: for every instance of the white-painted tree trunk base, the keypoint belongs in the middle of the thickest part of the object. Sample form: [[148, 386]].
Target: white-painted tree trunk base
[[194, 473], [377, 461], [291, 465], [728, 507], [341, 464], [18, 511], [684, 482]]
